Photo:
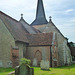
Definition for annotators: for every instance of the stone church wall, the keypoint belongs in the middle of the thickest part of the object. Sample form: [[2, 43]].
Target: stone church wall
[[54, 51], [38, 53], [64, 51], [64, 54], [6, 41], [22, 49], [40, 27]]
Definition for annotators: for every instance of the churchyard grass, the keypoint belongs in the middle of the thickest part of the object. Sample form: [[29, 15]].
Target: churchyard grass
[[65, 70], [5, 71]]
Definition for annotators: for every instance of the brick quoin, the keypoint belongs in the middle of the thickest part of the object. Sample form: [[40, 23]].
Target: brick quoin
[[15, 57]]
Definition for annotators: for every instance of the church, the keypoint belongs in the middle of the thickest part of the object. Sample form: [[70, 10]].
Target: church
[[40, 40]]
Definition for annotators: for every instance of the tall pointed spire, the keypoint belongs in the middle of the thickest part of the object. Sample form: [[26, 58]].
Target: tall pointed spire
[[40, 14], [40, 9]]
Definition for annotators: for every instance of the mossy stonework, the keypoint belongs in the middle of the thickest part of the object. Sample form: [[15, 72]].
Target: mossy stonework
[[63, 49]]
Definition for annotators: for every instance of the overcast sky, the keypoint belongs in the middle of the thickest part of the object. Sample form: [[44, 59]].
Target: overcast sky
[[62, 12]]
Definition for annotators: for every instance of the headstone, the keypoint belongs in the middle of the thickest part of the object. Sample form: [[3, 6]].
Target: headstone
[[1, 65], [55, 62], [9, 64], [24, 69], [35, 62], [44, 56], [44, 65]]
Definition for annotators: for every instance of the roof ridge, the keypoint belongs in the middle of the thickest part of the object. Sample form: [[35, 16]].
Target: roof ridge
[[8, 16], [57, 28]]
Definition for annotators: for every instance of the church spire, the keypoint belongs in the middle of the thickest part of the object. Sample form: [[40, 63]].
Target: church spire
[[40, 9], [40, 14]]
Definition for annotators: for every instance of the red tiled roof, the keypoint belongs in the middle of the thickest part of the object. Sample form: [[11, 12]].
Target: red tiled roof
[[40, 39]]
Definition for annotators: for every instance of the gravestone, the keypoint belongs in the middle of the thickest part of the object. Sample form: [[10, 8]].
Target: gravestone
[[9, 64], [24, 69], [44, 65], [1, 65], [35, 62], [55, 62]]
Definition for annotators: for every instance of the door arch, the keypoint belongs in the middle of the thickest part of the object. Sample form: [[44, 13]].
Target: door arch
[[38, 56]]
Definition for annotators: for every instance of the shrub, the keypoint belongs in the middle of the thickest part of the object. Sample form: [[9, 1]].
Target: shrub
[[25, 61]]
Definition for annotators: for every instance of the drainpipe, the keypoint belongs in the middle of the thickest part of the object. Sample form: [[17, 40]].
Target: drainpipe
[[51, 56]]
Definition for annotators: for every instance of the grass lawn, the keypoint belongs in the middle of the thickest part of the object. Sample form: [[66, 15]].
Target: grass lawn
[[65, 70], [5, 71]]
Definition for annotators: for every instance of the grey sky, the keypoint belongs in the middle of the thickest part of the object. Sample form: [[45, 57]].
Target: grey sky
[[62, 12]]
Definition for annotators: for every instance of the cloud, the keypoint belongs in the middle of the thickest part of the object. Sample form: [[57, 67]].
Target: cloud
[[72, 19], [9, 3], [68, 31], [12, 4], [69, 10]]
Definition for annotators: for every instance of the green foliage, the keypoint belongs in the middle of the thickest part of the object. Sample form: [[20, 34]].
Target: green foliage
[[25, 61]]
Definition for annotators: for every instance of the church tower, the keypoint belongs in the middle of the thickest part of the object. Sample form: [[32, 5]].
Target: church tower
[[40, 15]]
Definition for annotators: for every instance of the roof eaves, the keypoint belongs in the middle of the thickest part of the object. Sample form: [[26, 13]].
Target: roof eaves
[[21, 41]]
